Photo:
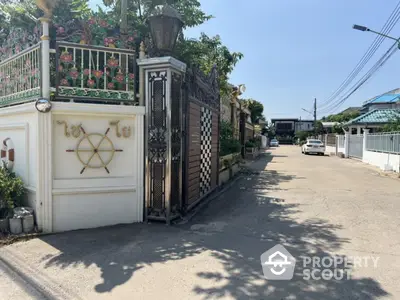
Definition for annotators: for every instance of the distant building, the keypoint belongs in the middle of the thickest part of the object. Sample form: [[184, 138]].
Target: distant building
[[373, 120], [376, 112], [389, 100], [291, 126], [286, 128], [304, 125], [328, 126]]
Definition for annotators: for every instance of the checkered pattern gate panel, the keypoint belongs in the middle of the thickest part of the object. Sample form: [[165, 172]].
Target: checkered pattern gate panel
[[205, 150]]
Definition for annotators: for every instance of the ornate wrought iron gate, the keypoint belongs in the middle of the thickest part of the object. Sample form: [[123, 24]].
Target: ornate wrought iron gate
[[164, 144], [182, 123], [202, 119]]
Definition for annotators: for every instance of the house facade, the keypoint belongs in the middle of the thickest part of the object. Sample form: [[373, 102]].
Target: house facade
[[376, 112], [102, 134]]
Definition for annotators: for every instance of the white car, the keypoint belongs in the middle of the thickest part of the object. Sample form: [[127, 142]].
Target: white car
[[313, 146], [274, 143]]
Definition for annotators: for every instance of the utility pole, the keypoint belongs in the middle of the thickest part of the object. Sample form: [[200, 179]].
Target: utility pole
[[315, 117], [301, 125], [124, 20]]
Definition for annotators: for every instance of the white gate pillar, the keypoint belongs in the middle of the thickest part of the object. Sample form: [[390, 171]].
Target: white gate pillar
[[365, 137], [336, 144], [346, 143], [44, 193]]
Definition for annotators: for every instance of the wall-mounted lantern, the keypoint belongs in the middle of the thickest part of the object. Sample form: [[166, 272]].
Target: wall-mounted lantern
[[165, 24]]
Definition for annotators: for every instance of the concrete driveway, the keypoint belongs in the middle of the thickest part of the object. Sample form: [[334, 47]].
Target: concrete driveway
[[316, 206]]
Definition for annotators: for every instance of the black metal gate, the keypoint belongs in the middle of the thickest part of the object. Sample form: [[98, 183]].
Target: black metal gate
[[182, 121]]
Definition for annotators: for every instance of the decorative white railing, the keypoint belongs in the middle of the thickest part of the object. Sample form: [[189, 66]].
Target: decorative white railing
[[93, 72], [386, 142], [20, 77]]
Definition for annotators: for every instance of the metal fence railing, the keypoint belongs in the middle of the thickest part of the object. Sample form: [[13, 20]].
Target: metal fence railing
[[340, 141], [90, 72], [388, 142], [20, 76]]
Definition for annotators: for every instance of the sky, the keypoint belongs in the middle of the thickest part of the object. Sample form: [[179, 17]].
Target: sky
[[295, 51]]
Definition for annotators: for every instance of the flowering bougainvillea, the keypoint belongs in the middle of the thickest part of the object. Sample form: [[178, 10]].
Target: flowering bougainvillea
[[19, 39], [98, 30]]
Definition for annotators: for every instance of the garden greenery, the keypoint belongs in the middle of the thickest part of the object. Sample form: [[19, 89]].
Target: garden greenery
[[228, 144], [12, 191]]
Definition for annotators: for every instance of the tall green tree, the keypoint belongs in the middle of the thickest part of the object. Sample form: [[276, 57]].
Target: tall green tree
[[25, 13], [269, 130], [340, 119], [204, 51], [393, 125], [256, 108]]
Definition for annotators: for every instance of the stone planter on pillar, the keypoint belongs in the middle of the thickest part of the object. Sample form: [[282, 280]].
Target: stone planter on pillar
[[16, 225]]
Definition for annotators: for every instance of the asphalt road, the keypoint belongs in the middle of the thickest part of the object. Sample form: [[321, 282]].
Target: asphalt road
[[322, 209]]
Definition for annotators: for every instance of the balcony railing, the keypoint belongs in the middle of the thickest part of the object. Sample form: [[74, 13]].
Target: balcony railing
[[77, 72], [20, 77], [95, 73]]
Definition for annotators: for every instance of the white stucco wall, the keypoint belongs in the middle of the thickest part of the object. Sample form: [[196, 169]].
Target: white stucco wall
[[97, 198], [19, 123], [380, 159], [330, 149], [304, 126]]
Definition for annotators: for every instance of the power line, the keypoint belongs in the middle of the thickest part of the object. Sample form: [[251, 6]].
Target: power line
[[388, 54], [393, 19], [388, 26], [364, 79]]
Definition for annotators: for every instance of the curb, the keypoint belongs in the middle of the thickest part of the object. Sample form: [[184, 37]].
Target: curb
[[39, 282], [201, 205], [26, 279]]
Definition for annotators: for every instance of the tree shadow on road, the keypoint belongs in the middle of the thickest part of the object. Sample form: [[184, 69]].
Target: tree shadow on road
[[235, 230]]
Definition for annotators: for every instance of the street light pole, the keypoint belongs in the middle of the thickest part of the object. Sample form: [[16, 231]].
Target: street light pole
[[363, 28], [314, 114], [315, 117]]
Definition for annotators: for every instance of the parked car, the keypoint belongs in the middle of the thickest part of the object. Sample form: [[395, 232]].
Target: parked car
[[274, 143], [313, 146]]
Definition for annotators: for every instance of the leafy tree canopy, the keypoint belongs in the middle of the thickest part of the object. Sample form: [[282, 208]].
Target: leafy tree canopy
[[393, 125], [341, 118], [204, 51], [256, 108], [269, 130], [303, 135]]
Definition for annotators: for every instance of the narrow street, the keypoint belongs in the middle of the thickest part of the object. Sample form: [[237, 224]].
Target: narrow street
[[313, 205]]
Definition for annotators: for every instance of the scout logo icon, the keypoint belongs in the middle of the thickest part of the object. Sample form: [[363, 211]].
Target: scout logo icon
[[278, 264]]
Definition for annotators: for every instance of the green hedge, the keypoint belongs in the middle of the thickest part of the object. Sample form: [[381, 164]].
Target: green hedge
[[228, 144]]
